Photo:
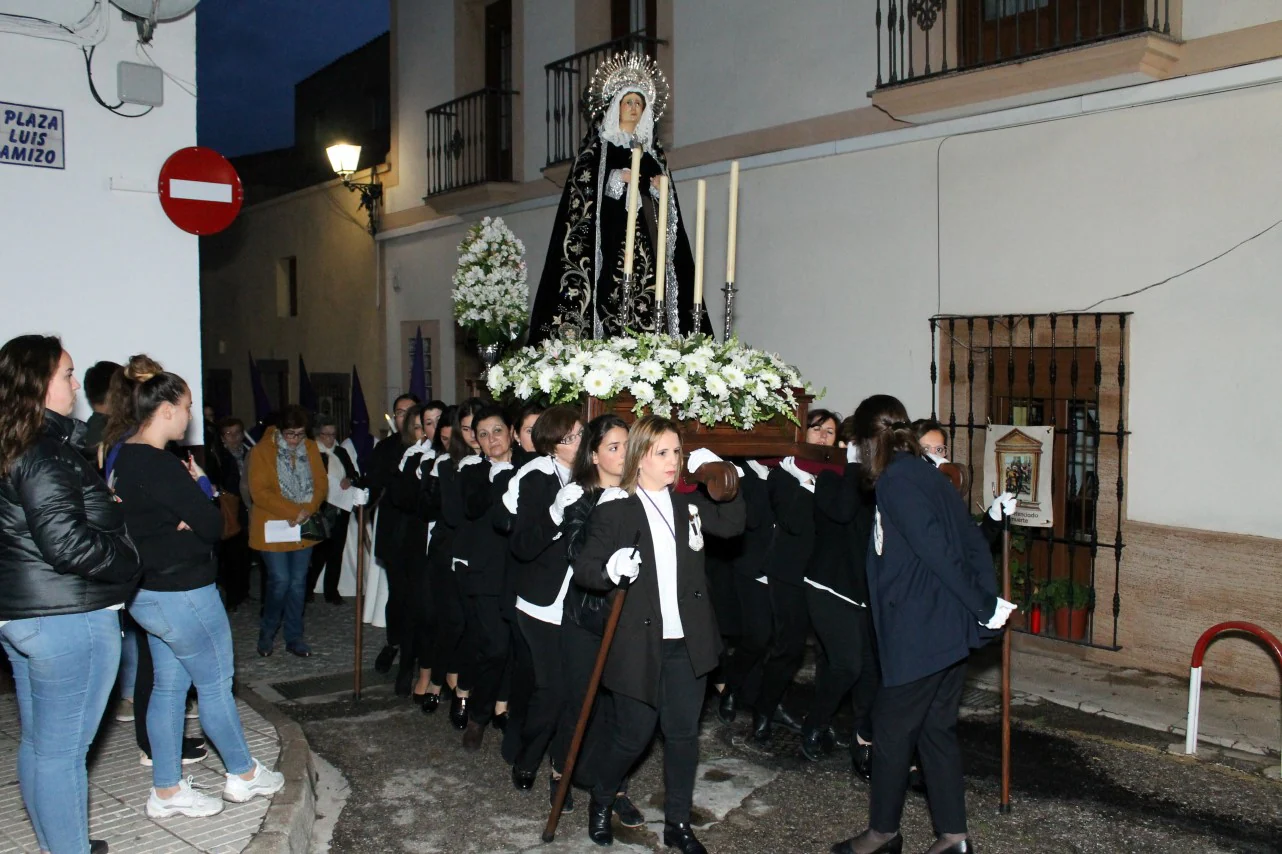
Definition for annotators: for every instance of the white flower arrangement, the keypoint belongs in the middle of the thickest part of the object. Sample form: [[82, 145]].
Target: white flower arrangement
[[692, 378], [491, 294]]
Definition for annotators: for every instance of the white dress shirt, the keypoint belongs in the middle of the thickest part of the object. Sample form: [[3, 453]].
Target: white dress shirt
[[658, 508]]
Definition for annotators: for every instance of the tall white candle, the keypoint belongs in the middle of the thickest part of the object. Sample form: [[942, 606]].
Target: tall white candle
[[661, 254], [734, 220], [698, 242], [633, 198]]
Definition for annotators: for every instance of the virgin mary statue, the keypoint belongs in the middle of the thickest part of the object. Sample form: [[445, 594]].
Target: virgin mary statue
[[581, 292]]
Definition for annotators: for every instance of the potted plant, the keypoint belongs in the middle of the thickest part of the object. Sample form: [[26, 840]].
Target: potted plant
[[491, 295], [1071, 604]]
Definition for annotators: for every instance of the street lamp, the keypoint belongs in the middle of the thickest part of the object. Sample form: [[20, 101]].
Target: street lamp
[[344, 158]]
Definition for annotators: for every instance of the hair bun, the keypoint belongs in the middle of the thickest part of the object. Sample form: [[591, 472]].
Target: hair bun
[[142, 368]]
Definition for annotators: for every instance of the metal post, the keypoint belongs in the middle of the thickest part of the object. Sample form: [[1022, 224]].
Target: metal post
[[1004, 806]]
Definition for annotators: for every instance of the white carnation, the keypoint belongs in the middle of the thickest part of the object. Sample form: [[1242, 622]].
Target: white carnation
[[716, 386], [597, 383], [643, 392], [677, 389], [650, 370]]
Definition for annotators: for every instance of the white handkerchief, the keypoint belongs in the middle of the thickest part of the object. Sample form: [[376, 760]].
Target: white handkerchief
[[280, 531]]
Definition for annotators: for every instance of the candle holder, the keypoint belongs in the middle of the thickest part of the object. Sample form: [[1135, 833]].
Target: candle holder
[[672, 314], [729, 291], [696, 319], [625, 304]]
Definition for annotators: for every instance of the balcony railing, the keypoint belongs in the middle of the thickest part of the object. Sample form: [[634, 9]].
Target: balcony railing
[[469, 141], [925, 38], [567, 83]]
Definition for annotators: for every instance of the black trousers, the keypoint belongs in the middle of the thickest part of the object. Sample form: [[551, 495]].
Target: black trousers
[[633, 725], [327, 558], [489, 640], [233, 568], [755, 625], [845, 637], [520, 665], [921, 716], [449, 626], [422, 615], [788, 645], [542, 713]]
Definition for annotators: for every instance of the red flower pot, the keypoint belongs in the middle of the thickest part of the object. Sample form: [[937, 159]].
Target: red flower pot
[[1071, 624]]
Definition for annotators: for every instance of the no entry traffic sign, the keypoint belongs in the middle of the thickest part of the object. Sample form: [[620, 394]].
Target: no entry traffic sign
[[200, 191]]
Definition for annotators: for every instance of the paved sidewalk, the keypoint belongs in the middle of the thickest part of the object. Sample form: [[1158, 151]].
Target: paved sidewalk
[[1246, 722], [118, 789]]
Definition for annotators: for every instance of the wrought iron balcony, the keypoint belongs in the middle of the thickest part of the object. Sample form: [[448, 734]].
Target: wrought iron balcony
[[917, 39], [567, 82], [469, 141]]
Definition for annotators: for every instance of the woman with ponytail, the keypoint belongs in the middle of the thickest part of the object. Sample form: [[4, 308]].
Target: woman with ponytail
[[933, 598], [170, 509], [67, 566]]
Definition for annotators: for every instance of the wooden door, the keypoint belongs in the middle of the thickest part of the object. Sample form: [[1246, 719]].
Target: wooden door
[[498, 79]]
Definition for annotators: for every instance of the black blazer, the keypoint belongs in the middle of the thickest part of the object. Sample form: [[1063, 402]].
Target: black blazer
[[440, 500], [634, 665], [793, 507], [538, 548], [933, 583], [844, 513]]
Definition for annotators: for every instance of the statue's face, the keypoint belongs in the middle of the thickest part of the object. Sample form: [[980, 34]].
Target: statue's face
[[630, 110]]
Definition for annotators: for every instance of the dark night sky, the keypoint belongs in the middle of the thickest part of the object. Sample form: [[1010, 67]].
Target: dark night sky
[[250, 53]]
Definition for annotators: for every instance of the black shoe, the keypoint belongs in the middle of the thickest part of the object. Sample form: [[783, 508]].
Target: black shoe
[[837, 739], [568, 805], [762, 731], [431, 702], [458, 712], [335, 599], [861, 760], [728, 708], [814, 743], [629, 815], [917, 780], [523, 780], [964, 846], [499, 722], [599, 830], [97, 846], [894, 845], [682, 836], [786, 720], [383, 664], [404, 683], [310, 597]]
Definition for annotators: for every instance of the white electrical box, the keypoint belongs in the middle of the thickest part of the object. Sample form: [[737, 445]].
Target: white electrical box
[[137, 83]]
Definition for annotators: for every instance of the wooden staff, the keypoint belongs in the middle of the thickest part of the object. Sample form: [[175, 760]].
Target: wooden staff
[[1004, 806], [360, 595], [607, 638]]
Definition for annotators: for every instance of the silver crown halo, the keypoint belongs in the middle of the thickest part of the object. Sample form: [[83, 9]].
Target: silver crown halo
[[629, 72]]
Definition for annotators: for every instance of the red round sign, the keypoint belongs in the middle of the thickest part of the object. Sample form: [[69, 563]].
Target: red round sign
[[200, 191]]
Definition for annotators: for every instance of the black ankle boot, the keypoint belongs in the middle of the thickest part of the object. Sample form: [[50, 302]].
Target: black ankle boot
[[861, 760], [599, 830], [786, 720], [458, 712], [682, 836], [728, 708], [813, 743], [762, 730]]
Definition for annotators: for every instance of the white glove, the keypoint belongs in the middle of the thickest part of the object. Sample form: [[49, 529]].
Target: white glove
[[497, 468], [440, 461], [1003, 505], [625, 563], [412, 450], [698, 457], [807, 481], [543, 464], [360, 498], [852, 452], [1001, 615], [568, 494], [426, 462], [471, 460]]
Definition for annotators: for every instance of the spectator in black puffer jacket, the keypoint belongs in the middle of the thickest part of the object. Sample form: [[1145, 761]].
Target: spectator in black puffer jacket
[[67, 566]]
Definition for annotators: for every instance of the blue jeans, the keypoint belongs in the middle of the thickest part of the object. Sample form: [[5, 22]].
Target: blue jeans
[[190, 642], [128, 660], [286, 587], [63, 669]]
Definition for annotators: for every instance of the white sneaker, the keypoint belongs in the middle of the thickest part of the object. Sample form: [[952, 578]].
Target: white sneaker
[[264, 783], [125, 711], [186, 802]]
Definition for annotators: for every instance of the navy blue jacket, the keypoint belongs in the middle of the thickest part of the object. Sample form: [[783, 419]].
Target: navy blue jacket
[[933, 583]]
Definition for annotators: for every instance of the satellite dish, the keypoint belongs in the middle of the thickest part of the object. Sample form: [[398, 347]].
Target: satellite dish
[[147, 13]]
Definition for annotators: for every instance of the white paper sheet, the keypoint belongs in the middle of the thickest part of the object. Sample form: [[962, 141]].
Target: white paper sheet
[[280, 531]]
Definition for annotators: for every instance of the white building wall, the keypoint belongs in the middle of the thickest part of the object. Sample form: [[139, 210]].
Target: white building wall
[[103, 268], [1208, 17], [424, 78], [746, 66], [549, 36]]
